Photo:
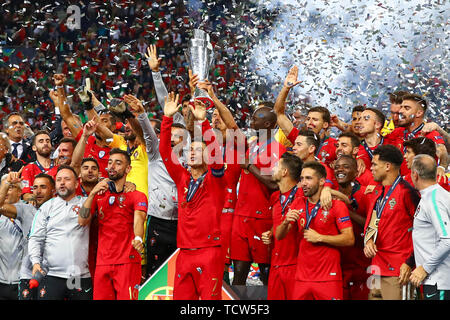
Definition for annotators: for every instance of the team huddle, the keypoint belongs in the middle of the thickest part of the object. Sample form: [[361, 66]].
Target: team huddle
[[90, 211]]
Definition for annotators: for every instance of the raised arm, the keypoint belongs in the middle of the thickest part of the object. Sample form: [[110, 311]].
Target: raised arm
[[60, 100], [216, 159], [89, 205], [78, 153], [6, 209], [161, 91], [280, 104], [170, 159]]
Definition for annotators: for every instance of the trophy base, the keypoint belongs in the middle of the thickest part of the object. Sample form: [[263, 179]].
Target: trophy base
[[203, 96]]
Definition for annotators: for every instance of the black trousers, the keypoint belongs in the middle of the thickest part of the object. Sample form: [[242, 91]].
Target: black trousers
[[25, 293], [8, 291], [432, 293], [54, 288], [161, 242]]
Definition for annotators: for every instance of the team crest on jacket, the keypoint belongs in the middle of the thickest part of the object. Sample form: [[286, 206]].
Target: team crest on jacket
[[25, 293], [392, 203], [111, 200], [76, 208], [101, 215], [325, 216], [121, 200], [101, 154], [302, 222]]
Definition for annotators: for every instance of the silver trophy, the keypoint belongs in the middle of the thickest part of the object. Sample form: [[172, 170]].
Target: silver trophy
[[200, 56]]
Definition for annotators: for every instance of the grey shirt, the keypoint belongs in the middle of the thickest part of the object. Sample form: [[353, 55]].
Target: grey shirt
[[25, 214], [431, 236], [11, 250], [57, 241], [162, 191]]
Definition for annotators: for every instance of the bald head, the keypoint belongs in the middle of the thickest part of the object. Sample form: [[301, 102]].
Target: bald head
[[425, 166], [264, 118]]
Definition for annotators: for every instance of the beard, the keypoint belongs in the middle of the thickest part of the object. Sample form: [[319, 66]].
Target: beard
[[44, 154], [116, 176], [65, 193], [311, 191], [130, 137]]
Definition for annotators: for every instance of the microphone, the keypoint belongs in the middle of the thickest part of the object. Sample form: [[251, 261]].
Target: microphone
[[34, 282]]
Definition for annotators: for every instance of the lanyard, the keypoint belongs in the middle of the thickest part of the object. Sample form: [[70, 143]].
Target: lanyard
[[288, 200], [381, 201], [258, 149], [411, 135], [368, 150], [356, 186], [193, 186], [321, 145], [314, 211], [42, 168], [83, 192]]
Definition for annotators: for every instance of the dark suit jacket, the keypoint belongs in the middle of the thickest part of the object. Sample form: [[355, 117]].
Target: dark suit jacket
[[28, 155], [11, 165]]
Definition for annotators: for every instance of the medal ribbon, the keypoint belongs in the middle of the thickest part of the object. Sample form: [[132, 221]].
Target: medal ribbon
[[288, 200], [83, 192], [381, 201], [193, 186], [356, 187], [368, 150], [321, 145], [310, 216], [42, 168], [411, 135]]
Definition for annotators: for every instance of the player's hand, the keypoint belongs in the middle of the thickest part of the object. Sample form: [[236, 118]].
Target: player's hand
[[171, 104], [430, 126], [405, 272], [89, 128], [361, 166], [326, 198], [138, 245], [266, 237], [312, 236], [15, 177], [36, 268], [207, 86], [152, 58], [440, 175], [417, 276], [59, 79], [291, 78], [54, 96], [129, 187], [334, 121], [193, 81], [370, 249], [198, 110], [291, 216], [134, 103], [100, 187]]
